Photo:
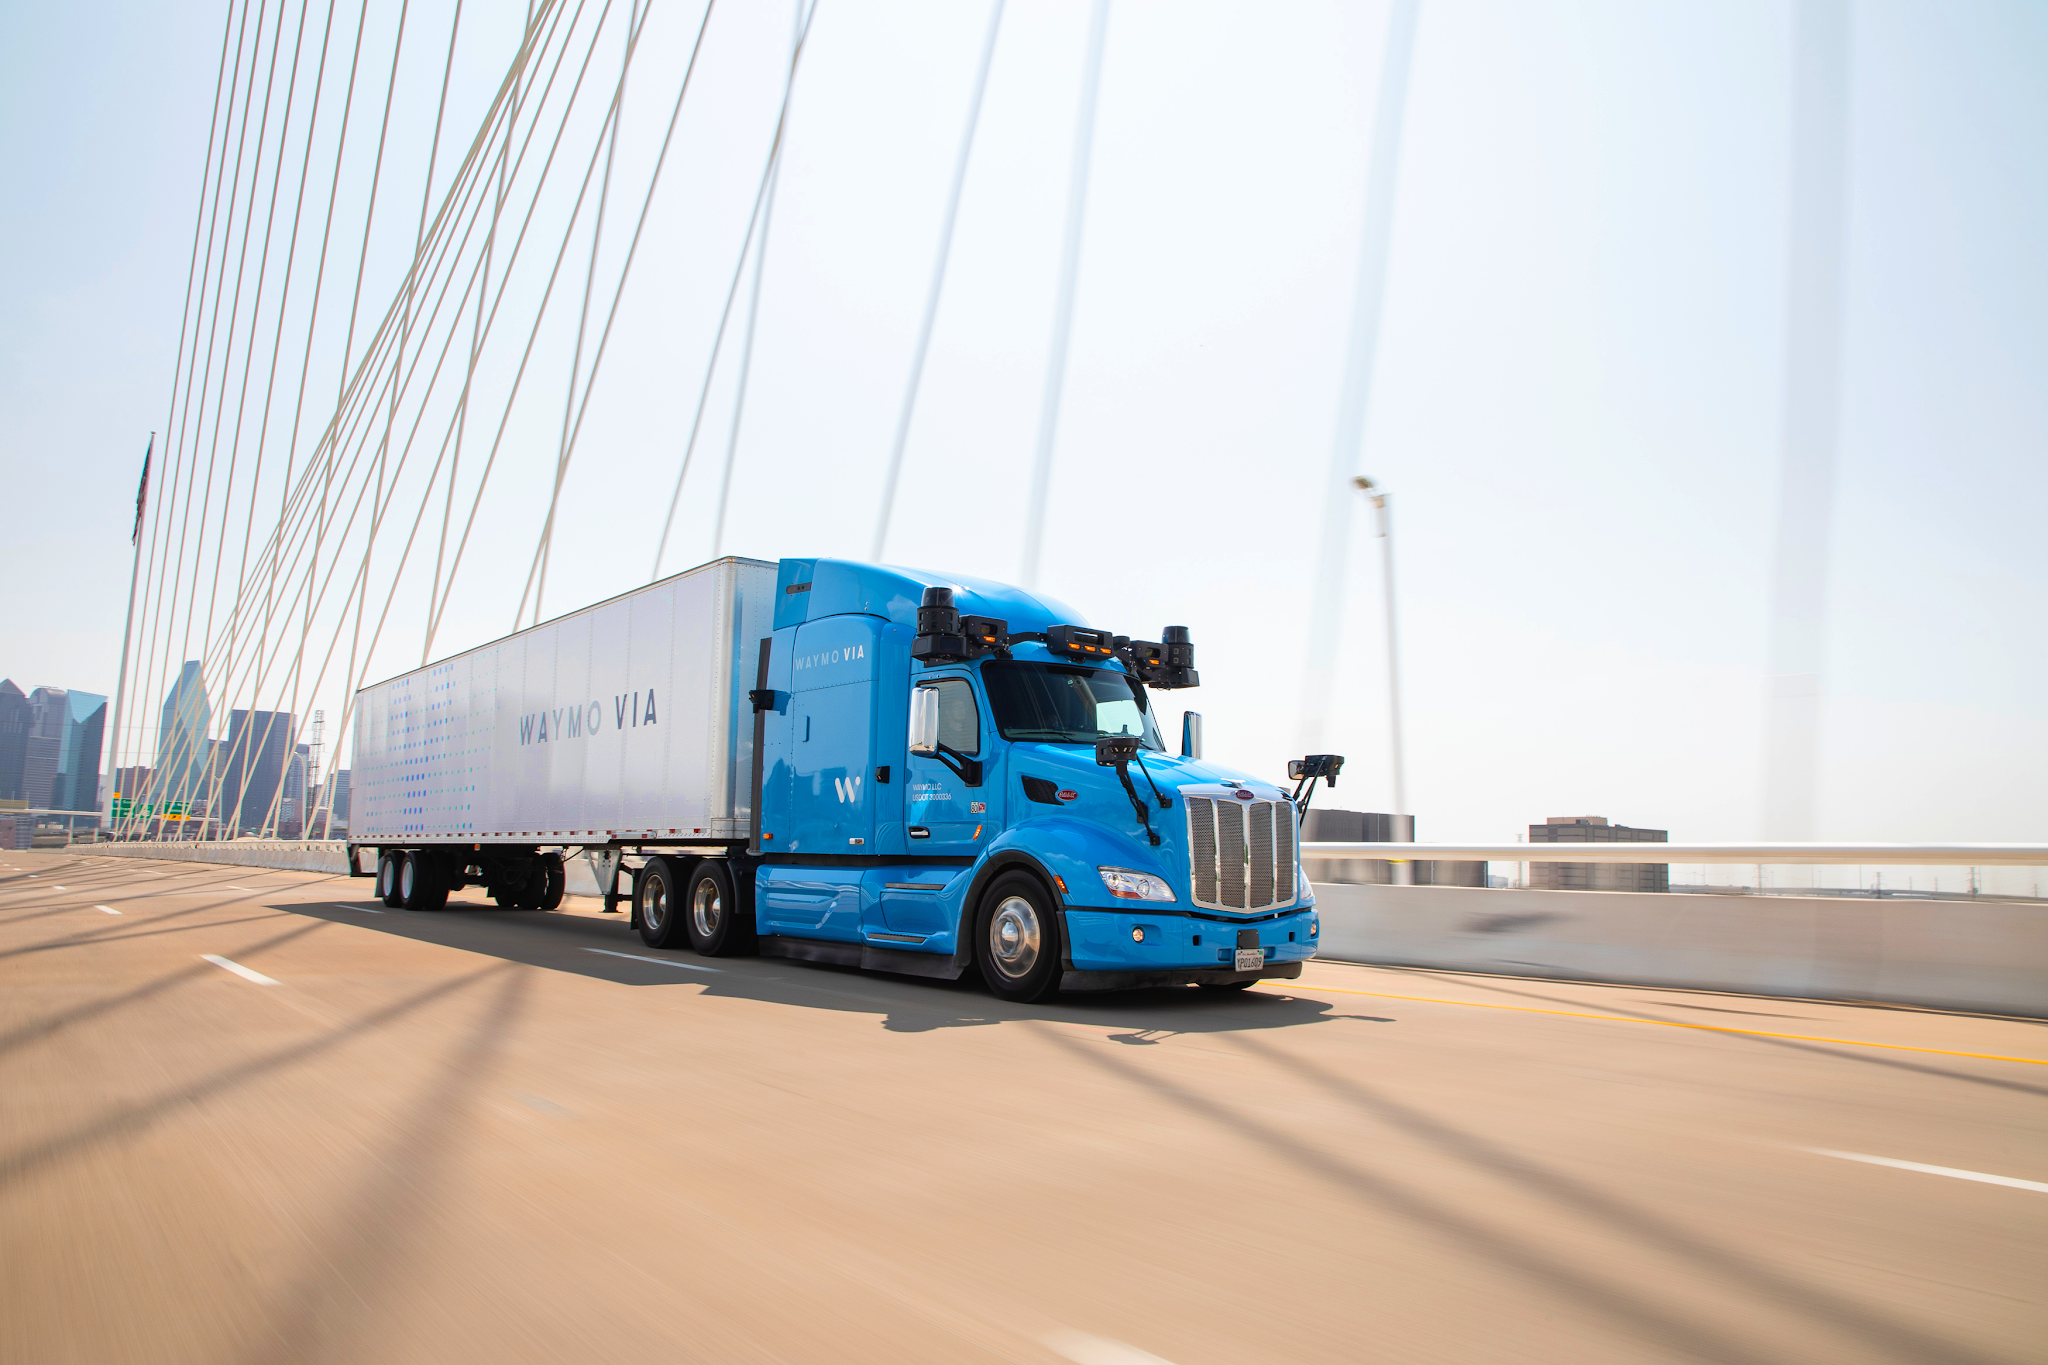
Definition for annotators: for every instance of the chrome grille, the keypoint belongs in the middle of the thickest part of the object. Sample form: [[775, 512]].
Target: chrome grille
[[1260, 862], [1202, 847], [1241, 854], [1230, 854], [1284, 853]]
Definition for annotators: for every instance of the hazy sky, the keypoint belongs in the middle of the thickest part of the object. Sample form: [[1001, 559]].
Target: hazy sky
[[1576, 409]]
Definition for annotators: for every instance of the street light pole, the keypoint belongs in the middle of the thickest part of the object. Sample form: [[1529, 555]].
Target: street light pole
[[1383, 524]]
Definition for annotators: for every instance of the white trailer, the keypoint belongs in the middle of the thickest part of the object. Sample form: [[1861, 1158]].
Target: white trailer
[[626, 721]]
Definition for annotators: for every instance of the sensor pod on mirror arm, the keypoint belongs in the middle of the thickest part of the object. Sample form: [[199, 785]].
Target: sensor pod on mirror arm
[[1303, 772]]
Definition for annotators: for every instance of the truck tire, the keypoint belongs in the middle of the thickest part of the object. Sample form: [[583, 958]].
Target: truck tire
[[388, 865], [658, 905], [522, 886], [420, 883], [557, 881], [1017, 939], [711, 912]]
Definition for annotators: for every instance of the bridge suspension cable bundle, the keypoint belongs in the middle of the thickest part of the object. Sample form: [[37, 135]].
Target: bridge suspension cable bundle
[[349, 372], [393, 263]]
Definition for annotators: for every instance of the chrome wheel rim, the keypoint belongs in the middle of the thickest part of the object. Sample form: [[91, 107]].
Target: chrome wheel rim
[[706, 907], [405, 876], [654, 905], [1014, 937]]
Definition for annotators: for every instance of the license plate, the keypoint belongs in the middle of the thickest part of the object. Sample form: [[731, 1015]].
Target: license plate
[[1250, 960]]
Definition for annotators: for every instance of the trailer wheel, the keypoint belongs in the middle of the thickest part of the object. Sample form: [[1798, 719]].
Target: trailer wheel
[[658, 903], [1017, 939], [420, 883], [712, 912], [557, 881], [388, 865]]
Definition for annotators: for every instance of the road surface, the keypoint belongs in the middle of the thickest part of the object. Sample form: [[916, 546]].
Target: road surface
[[246, 1117]]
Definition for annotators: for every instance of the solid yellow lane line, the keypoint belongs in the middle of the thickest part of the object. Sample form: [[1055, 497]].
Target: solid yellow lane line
[[1671, 1023]]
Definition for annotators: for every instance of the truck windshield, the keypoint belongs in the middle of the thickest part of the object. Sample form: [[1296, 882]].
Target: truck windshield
[[1062, 704]]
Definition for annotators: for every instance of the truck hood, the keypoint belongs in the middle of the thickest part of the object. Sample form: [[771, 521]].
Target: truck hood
[[1170, 771]]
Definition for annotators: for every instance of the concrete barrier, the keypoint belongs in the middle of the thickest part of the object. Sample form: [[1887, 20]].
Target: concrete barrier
[[287, 855], [1967, 955]]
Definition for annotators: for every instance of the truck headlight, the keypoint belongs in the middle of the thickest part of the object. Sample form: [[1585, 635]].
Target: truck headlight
[[1127, 885]]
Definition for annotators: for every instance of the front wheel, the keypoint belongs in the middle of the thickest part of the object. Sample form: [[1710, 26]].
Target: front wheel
[[658, 905], [1017, 939]]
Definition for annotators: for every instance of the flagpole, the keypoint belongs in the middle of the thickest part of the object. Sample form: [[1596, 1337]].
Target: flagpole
[[127, 629]]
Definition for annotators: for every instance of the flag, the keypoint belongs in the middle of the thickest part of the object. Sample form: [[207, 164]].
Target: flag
[[142, 493]]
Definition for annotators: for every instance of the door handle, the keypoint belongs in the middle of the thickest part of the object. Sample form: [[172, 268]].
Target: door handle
[[920, 832]]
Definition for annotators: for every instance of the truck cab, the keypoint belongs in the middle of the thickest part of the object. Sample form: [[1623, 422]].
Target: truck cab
[[952, 774]]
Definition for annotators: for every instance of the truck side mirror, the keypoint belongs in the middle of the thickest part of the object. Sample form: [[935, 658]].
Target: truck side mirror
[[1191, 734], [924, 720]]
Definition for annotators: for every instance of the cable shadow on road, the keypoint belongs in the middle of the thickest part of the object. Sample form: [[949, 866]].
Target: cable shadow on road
[[1875, 1332], [35, 1029], [1530, 1261], [1786, 1044], [86, 899], [381, 1220], [131, 1120], [124, 933], [606, 950]]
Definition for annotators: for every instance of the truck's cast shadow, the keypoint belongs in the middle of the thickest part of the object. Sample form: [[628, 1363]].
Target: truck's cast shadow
[[606, 950]]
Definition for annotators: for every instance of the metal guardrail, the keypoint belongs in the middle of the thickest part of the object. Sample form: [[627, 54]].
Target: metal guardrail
[[1832, 855]]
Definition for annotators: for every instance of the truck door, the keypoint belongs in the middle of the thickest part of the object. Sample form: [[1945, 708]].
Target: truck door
[[828, 752], [942, 812]]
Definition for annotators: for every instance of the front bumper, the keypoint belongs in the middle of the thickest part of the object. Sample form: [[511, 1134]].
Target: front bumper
[[1184, 947]]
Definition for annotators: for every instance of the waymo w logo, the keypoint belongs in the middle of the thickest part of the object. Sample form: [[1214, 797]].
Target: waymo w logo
[[849, 789]]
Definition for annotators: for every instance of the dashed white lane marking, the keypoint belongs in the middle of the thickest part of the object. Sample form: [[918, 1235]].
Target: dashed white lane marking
[[343, 905], [1083, 1349], [230, 886], [664, 961], [1924, 1169], [108, 908], [239, 970], [60, 888]]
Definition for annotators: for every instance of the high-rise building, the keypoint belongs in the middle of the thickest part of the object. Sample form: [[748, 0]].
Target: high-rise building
[[14, 721], [340, 802], [253, 770], [61, 765], [291, 810], [132, 784], [181, 744], [1594, 829]]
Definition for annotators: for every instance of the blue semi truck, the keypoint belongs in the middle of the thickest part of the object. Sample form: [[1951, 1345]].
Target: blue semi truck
[[847, 763]]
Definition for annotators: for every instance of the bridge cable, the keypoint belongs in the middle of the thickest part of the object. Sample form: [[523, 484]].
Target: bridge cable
[[184, 312], [537, 576], [739, 401], [633, 247], [1063, 314], [931, 303]]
